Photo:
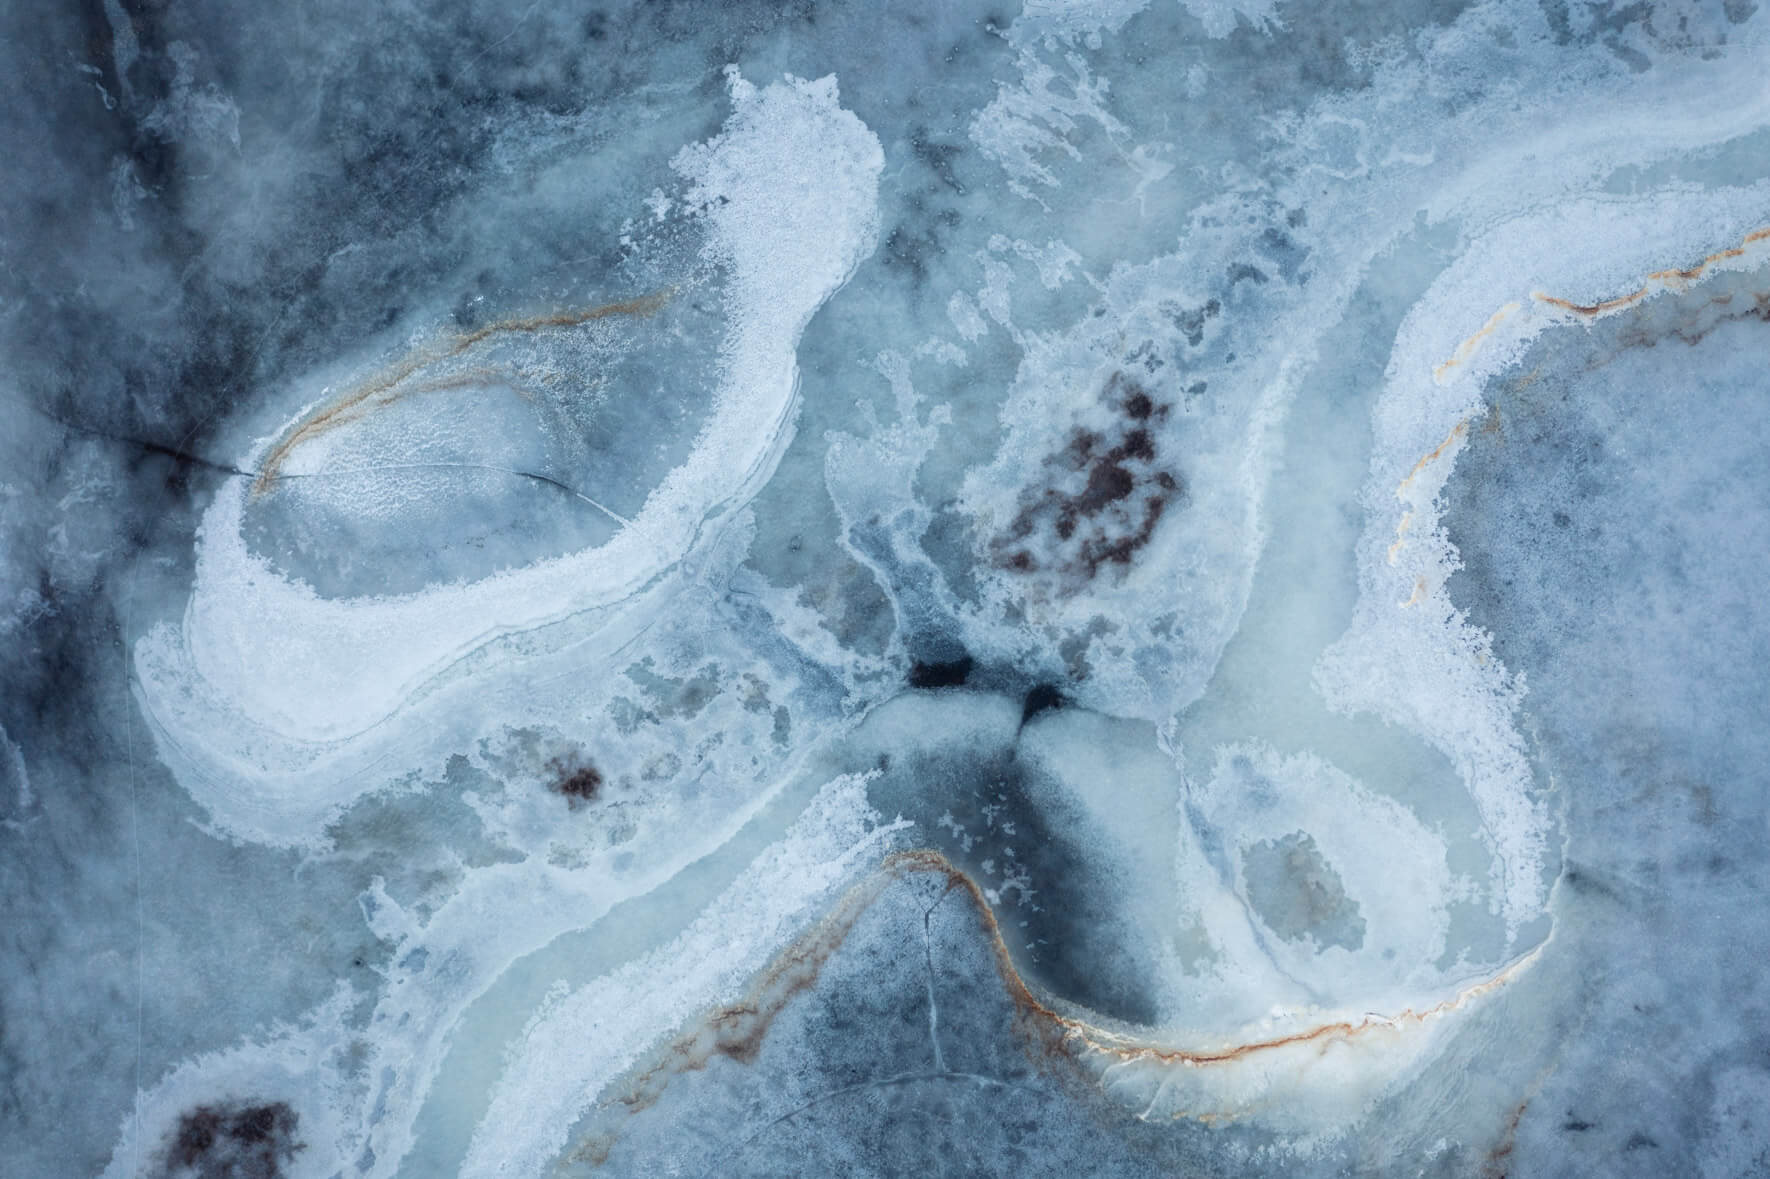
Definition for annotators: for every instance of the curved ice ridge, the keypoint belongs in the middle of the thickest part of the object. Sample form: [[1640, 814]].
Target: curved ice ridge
[[1409, 655], [272, 702]]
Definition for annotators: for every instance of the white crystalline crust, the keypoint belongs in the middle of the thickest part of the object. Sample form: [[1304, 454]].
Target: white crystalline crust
[[1488, 166], [1194, 576], [272, 702], [602, 1026], [1523, 189], [788, 234]]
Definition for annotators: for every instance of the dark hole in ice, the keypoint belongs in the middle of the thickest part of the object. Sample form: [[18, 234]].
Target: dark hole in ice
[[940, 674], [576, 780], [1042, 698], [242, 1141]]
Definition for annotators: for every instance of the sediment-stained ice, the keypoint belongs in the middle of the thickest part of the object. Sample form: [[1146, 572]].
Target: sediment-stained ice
[[1126, 588]]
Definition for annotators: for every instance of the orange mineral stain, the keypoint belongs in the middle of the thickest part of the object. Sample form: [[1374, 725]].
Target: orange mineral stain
[[393, 383], [1673, 279], [1470, 346], [738, 1029]]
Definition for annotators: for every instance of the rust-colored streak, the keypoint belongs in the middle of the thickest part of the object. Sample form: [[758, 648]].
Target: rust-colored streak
[[1498, 1162], [1659, 279], [1407, 521], [1450, 439], [1468, 347], [388, 386], [737, 1030]]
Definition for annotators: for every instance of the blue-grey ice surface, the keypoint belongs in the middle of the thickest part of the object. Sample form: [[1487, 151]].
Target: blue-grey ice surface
[[1133, 587]]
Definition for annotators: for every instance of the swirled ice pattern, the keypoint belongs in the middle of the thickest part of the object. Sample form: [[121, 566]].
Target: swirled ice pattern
[[1112, 588]]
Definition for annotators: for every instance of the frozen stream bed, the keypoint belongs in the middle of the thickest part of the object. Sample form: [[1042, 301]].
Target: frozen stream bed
[[1134, 587]]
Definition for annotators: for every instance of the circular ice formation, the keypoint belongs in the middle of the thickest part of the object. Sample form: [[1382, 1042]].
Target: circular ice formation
[[270, 701]]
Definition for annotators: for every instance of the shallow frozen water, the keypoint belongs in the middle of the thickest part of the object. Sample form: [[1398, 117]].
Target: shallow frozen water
[[1124, 588]]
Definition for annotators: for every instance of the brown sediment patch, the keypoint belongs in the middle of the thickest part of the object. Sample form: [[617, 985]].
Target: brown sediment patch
[[1673, 279], [739, 1029], [234, 1139], [391, 384], [576, 780], [1077, 532]]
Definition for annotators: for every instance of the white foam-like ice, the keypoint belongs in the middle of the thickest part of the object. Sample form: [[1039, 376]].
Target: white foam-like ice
[[787, 195], [1524, 186], [1179, 599], [272, 702]]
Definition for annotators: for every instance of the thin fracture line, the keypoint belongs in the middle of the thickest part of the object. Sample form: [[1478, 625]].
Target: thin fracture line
[[135, 833], [548, 479], [928, 956], [181, 455], [513, 30], [933, 1010]]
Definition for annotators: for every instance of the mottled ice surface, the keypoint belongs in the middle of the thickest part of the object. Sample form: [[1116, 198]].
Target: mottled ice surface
[[1136, 587]]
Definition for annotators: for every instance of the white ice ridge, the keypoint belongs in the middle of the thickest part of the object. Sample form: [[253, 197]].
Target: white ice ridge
[[1409, 654], [271, 703], [573, 1049]]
